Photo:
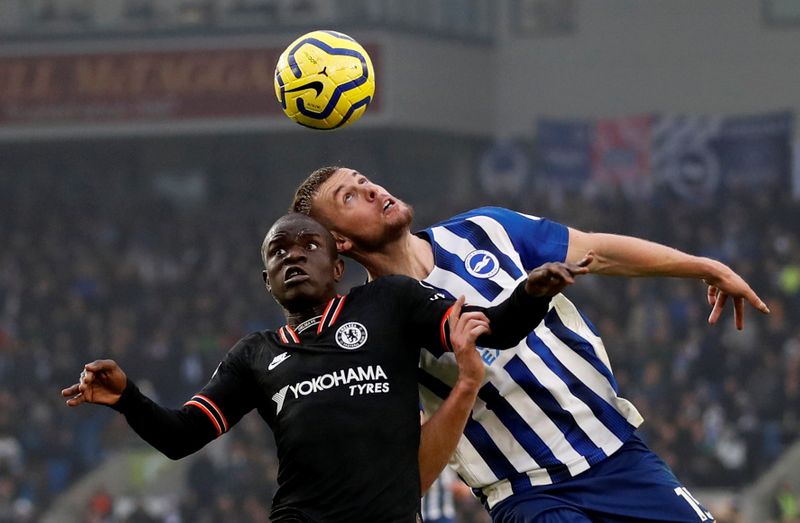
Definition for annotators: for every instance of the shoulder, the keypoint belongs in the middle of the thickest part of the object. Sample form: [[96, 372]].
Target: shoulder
[[249, 346], [498, 214], [386, 283]]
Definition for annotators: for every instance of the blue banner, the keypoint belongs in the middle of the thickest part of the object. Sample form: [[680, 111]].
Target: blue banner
[[755, 152], [564, 151]]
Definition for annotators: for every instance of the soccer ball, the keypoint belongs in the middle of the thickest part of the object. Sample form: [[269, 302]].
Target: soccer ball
[[324, 80]]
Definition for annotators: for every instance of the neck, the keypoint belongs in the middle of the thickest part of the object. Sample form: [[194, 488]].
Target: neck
[[296, 317], [408, 255]]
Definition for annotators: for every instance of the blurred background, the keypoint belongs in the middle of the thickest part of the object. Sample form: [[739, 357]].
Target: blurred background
[[143, 157]]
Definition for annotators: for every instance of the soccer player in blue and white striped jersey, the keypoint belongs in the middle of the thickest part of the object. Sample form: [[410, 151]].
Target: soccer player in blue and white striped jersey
[[550, 438]]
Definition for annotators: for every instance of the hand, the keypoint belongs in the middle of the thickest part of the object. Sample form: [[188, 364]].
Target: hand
[[101, 382], [727, 283], [464, 330], [549, 279]]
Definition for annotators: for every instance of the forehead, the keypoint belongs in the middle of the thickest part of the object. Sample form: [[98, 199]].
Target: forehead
[[341, 178], [295, 227]]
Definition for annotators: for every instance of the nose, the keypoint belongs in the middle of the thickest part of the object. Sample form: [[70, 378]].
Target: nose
[[370, 192], [295, 253]]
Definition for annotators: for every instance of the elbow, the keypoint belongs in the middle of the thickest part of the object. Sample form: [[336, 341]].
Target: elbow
[[174, 456], [175, 453]]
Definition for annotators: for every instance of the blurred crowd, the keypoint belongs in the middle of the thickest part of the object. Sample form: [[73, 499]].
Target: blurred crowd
[[98, 264]]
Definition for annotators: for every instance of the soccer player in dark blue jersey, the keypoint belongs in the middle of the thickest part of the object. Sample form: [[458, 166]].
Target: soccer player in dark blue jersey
[[550, 438], [338, 383]]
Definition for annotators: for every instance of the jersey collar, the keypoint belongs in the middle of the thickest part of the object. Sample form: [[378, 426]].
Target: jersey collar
[[327, 319]]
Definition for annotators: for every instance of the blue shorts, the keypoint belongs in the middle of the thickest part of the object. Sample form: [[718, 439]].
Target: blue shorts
[[632, 485]]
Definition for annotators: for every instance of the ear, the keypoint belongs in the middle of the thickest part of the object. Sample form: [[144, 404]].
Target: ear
[[343, 243], [338, 270], [266, 280]]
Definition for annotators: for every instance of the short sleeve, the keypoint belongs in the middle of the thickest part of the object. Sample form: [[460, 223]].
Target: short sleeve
[[537, 240]]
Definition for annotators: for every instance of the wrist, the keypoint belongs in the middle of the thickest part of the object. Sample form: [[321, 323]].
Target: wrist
[[126, 397], [710, 268]]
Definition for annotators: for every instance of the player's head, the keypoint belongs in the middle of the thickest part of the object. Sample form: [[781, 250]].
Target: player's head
[[301, 264], [361, 215]]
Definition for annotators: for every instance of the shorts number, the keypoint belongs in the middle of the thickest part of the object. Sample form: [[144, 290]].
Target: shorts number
[[704, 515]]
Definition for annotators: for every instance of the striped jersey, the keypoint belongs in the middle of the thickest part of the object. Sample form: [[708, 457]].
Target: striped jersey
[[437, 503], [549, 408]]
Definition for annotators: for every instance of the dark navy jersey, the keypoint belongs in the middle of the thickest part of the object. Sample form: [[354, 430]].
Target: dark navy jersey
[[340, 394]]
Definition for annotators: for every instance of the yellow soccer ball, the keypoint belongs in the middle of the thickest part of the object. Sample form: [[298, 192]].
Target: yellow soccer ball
[[324, 80]]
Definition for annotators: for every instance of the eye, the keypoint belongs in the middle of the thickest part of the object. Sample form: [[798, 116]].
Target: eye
[[312, 246], [348, 197], [278, 252]]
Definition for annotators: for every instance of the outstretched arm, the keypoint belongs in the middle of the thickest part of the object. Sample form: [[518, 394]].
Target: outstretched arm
[[175, 433], [618, 255], [441, 432], [520, 313]]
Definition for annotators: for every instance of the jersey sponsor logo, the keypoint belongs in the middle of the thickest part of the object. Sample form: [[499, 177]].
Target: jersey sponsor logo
[[277, 360], [359, 380], [481, 264], [351, 335]]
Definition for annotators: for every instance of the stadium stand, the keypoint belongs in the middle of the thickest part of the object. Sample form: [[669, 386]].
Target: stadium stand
[[100, 260]]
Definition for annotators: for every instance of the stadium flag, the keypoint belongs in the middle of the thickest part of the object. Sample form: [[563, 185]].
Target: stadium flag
[[564, 151], [621, 153], [755, 151], [683, 157]]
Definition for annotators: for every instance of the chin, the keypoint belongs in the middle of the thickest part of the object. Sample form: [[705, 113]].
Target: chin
[[299, 297]]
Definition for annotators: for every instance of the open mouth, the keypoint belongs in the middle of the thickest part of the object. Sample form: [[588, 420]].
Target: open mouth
[[388, 204], [294, 274]]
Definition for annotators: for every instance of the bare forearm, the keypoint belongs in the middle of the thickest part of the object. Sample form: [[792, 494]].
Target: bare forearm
[[617, 255], [442, 431]]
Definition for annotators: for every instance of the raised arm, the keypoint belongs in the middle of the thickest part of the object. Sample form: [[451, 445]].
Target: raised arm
[[510, 322], [520, 313], [619, 255], [441, 432]]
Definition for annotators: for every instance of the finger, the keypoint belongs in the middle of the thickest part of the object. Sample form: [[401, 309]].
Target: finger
[[757, 302], [719, 304], [562, 271], [76, 400], [87, 377], [576, 270], [474, 315], [586, 260], [477, 331], [467, 325], [455, 311], [567, 276], [712, 295], [555, 275], [70, 391], [738, 312], [99, 365]]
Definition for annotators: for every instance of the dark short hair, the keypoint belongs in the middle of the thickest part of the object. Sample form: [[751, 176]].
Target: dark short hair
[[330, 242], [307, 191]]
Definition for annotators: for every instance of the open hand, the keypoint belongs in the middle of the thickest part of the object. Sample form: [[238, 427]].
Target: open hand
[[725, 282]]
